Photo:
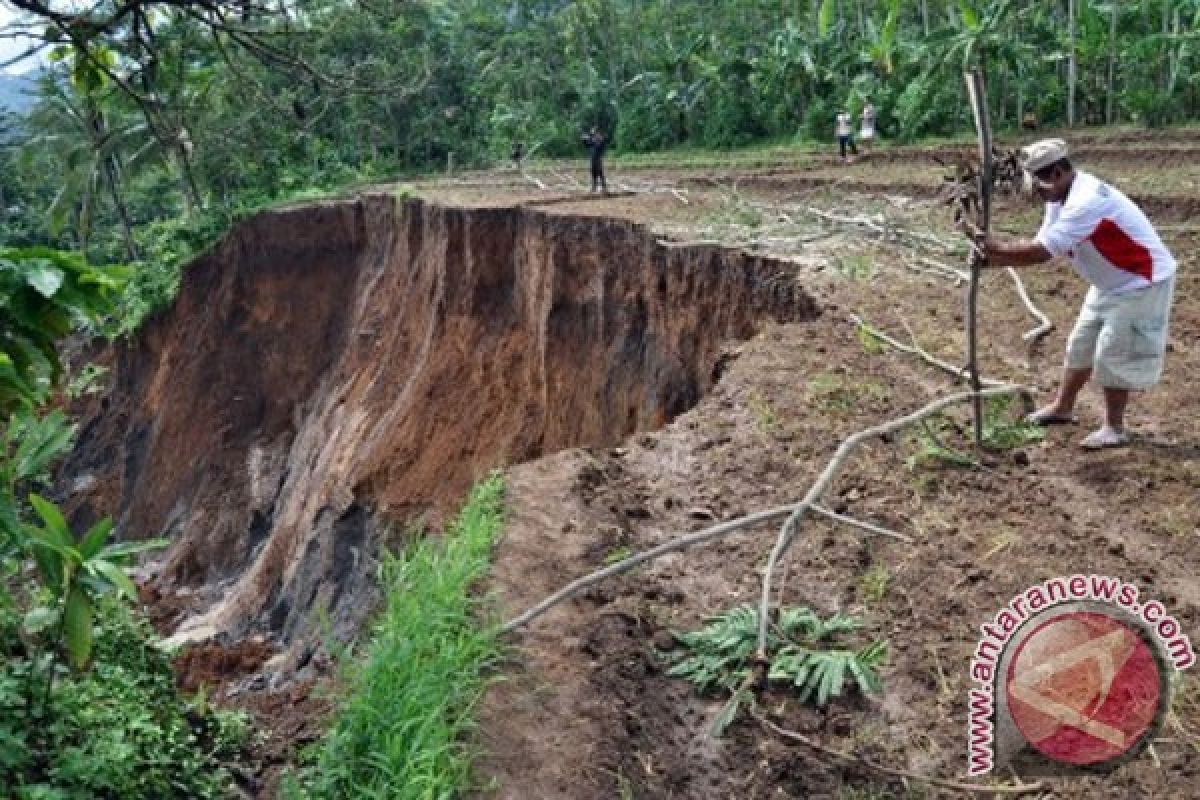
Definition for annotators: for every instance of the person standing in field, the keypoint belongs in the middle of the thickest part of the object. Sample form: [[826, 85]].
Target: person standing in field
[[845, 135], [867, 131], [1121, 333], [595, 142]]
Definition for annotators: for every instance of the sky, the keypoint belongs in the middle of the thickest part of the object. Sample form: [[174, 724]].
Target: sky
[[12, 47]]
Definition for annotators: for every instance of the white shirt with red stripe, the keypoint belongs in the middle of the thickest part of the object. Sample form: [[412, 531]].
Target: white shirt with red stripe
[[1107, 238]]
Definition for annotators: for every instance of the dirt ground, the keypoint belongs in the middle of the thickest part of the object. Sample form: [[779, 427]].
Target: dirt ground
[[587, 711]]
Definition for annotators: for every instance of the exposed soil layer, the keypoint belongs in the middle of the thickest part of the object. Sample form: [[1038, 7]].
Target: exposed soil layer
[[331, 372]]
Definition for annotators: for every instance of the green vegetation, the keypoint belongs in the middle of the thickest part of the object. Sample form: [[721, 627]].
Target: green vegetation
[[403, 721], [88, 706], [1003, 429], [150, 137], [719, 657], [119, 729]]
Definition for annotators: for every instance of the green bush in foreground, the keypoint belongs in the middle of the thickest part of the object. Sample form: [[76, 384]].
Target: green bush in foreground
[[409, 703], [118, 730]]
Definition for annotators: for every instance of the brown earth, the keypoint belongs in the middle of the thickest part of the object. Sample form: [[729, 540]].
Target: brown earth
[[332, 372]]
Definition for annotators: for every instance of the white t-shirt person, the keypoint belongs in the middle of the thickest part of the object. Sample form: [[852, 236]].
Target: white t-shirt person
[[843, 124], [868, 122], [1107, 238]]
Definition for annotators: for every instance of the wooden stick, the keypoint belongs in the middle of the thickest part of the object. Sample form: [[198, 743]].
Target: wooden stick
[[977, 91]]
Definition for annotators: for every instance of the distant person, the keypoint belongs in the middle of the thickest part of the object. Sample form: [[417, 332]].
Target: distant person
[[867, 131], [845, 135], [518, 152], [1121, 333], [595, 142]]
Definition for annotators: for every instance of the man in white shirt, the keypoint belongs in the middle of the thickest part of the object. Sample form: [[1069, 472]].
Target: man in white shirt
[[845, 134], [1121, 333]]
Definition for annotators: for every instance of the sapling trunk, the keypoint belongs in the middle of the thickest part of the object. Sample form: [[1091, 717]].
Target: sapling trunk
[[977, 92]]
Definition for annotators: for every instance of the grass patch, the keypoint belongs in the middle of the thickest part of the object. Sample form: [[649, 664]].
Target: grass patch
[[765, 418], [858, 267], [836, 394], [875, 582], [409, 702]]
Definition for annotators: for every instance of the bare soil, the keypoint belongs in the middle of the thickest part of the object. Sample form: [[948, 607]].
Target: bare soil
[[742, 382], [589, 713]]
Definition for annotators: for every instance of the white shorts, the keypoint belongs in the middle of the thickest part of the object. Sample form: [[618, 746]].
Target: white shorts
[[1123, 336]]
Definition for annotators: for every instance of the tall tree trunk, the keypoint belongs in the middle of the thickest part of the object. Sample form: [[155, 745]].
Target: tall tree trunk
[[1176, 58], [1071, 64], [1166, 60], [114, 190], [925, 17], [1020, 94], [1111, 88], [191, 193]]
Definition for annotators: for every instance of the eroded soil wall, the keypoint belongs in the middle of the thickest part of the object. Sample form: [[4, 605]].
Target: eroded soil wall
[[331, 373]]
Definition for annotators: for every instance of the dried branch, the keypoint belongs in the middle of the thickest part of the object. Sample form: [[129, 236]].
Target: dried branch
[[914, 349], [942, 783], [788, 532], [1036, 334], [681, 543]]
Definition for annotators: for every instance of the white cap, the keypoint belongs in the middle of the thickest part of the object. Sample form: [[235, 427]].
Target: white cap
[[1042, 154]]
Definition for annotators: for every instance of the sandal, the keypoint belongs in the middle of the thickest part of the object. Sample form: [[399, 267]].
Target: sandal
[[1047, 416], [1105, 438]]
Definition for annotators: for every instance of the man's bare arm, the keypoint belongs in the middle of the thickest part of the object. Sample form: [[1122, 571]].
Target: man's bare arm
[[1015, 252]]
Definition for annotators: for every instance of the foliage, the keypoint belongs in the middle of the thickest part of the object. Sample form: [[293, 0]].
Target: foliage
[[718, 656], [1003, 429], [44, 293], [118, 730], [87, 705], [409, 699]]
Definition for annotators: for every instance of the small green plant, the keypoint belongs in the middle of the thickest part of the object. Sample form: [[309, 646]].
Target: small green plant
[[871, 344], [764, 414], [89, 380], [875, 583], [857, 267], [73, 575], [617, 555], [1001, 431], [719, 655], [1004, 431], [930, 449]]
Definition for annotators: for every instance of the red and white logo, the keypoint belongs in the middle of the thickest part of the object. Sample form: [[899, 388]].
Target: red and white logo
[[1084, 688]]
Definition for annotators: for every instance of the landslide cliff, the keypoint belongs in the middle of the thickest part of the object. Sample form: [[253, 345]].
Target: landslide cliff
[[330, 375]]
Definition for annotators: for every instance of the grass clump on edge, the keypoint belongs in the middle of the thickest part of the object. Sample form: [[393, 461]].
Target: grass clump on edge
[[410, 700]]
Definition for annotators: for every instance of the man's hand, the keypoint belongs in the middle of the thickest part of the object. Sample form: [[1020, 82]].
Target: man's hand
[[979, 239]]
